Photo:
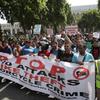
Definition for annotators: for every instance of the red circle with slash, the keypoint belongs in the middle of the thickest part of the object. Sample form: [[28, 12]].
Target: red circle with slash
[[81, 73]]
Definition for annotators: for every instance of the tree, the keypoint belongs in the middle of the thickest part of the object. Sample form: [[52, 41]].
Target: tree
[[69, 16], [24, 11], [57, 13], [30, 12], [89, 21], [99, 4]]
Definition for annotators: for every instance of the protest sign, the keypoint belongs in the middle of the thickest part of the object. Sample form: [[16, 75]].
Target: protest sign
[[96, 35], [37, 29], [50, 31], [72, 30], [66, 81]]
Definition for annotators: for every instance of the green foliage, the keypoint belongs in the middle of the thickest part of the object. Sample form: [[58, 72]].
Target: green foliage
[[30, 12], [99, 4], [69, 15], [59, 13], [56, 11], [90, 21], [24, 11]]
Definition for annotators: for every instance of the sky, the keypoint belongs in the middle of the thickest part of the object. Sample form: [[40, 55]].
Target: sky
[[82, 2]]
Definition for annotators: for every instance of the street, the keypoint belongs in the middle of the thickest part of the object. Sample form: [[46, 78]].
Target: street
[[13, 91]]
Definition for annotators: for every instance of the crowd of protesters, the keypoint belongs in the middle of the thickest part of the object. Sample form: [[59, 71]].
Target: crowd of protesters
[[75, 48], [61, 47]]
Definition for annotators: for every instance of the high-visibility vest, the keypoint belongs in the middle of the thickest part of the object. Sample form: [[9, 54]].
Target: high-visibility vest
[[97, 62]]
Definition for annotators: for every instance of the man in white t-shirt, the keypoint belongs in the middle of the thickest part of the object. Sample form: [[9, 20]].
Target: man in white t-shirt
[[83, 55]]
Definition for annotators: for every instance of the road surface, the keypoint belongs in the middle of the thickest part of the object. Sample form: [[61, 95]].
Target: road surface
[[13, 91]]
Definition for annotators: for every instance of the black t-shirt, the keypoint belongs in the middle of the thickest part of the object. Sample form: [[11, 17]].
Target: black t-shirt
[[66, 57]]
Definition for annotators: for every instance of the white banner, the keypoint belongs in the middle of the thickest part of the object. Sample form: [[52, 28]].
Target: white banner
[[66, 81]]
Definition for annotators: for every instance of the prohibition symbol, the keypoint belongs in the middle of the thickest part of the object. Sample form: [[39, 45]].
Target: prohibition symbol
[[81, 73]]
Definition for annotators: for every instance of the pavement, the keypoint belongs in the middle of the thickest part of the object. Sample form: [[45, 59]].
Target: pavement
[[12, 91]]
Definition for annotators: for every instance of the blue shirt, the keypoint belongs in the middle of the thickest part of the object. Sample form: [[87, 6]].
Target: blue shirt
[[27, 50], [87, 57]]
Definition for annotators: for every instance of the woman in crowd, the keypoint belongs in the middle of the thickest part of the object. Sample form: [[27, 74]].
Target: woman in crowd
[[17, 50], [55, 51]]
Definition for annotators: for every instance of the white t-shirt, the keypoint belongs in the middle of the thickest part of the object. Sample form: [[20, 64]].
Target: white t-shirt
[[80, 58]]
